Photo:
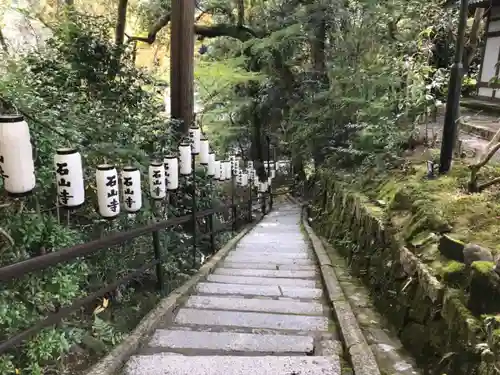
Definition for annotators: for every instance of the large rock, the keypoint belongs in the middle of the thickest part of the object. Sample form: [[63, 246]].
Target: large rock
[[473, 253]]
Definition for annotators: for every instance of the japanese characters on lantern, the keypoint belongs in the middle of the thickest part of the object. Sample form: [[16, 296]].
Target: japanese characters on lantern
[[172, 172], [204, 152], [222, 174], [107, 191], [132, 193], [69, 177], [17, 167], [157, 184], [195, 140], [185, 159]]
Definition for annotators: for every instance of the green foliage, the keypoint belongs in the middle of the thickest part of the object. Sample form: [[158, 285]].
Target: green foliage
[[81, 90]]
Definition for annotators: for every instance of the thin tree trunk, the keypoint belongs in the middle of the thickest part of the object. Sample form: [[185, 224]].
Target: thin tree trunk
[[121, 22]]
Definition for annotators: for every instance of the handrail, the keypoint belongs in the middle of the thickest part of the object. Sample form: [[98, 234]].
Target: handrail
[[42, 262], [20, 269]]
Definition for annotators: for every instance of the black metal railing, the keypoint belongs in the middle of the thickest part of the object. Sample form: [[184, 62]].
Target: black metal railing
[[243, 211]]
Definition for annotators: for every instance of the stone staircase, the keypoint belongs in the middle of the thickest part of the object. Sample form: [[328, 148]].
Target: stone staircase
[[261, 312]]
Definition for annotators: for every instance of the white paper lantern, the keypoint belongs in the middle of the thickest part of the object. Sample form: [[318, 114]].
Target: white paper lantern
[[132, 193], [217, 170], [69, 177], [273, 173], [232, 161], [185, 159], [262, 187], [172, 172], [239, 178], [250, 164], [17, 167], [157, 185], [222, 170], [244, 181], [269, 181], [195, 140], [108, 198], [228, 173], [204, 152], [211, 165]]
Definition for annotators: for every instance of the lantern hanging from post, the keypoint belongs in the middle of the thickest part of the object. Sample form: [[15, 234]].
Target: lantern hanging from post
[[244, 180], [132, 193], [204, 152], [217, 170], [185, 159], [239, 178], [273, 169], [172, 172], [211, 165], [17, 167], [195, 140], [229, 170], [232, 161], [69, 177], [262, 187], [107, 191], [157, 187]]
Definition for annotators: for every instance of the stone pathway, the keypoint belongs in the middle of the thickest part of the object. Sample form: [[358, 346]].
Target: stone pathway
[[261, 312]]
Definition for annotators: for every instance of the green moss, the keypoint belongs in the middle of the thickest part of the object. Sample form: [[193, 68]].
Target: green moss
[[453, 267], [483, 267]]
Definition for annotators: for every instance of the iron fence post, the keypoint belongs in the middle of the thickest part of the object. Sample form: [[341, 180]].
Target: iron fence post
[[250, 206], [211, 219], [233, 206], [160, 284], [193, 165]]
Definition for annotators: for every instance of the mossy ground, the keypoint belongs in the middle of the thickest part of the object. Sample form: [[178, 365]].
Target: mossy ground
[[418, 206]]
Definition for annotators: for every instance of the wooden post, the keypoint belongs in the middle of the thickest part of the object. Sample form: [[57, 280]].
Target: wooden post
[[181, 63]]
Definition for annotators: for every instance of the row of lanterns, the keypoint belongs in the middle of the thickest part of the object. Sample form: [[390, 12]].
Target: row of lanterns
[[18, 172]]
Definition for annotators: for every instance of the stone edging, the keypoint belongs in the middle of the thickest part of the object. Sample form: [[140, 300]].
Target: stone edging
[[360, 355], [112, 362]]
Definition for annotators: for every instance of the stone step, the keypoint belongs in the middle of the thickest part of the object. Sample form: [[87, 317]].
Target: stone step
[[267, 266], [251, 320], [303, 283], [255, 305], [231, 341], [266, 254], [265, 273], [171, 364], [259, 290], [269, 259]]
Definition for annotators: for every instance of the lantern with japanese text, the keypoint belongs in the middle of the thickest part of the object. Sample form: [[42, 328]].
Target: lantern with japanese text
[[217, 169], [69, 177], [17, 167], [211, 165], [172, 172], [232, 161], [185, 159], [222, 174], [108, 199], [228, 174], [157, 185], [263, 187], [195, 140], [239, 178], [132, 193], [204, 152]]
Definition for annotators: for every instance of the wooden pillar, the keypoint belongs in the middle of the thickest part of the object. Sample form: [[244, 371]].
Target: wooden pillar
[[181, 64]]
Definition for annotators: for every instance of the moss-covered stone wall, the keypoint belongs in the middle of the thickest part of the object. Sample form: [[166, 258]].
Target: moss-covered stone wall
[[431, 318]]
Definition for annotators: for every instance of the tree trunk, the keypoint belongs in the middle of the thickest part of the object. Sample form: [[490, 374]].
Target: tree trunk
[[121, 22], [181, 66]]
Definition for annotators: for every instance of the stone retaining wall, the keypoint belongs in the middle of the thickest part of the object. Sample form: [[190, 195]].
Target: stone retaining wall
[[431, 319]]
